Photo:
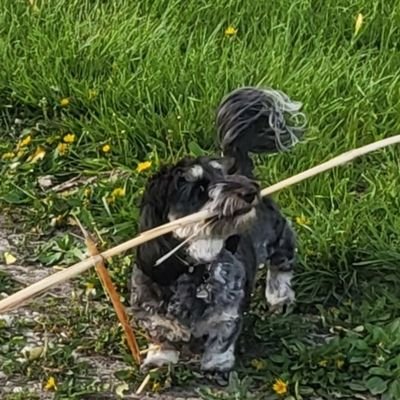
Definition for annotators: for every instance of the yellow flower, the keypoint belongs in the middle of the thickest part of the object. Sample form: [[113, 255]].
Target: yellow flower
[[87, 192], [118, 192], [9, 258], [25, 141], [8, 156], [358, 24], [21, 153], [156, 387], [280, 387], [339, 363], [106, 148], [65, 102], [143, 166], [323, 363], [51, 384], [92, 93], [39, 154], [69, 138], [62, 148], [302, 220], [258, 364], [90, 290], [230, 31], [55, 221]]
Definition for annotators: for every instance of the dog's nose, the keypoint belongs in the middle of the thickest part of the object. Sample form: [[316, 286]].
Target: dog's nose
[[249, 197]]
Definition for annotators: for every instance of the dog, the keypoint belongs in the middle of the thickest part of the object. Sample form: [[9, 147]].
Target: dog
[[195, 298]]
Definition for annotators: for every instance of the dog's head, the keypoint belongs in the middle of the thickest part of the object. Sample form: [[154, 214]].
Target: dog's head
[[191, 185], [199, 184]]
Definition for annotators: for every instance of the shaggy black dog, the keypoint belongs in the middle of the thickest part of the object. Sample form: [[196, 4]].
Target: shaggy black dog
[[197, 296]]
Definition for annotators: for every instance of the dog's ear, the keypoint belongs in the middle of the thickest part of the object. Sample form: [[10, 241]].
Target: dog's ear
[[154, 212], [154, 207]]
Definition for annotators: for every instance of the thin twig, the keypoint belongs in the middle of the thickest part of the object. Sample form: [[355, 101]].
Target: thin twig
[[143, 384], [180, 245], [19, 298], [112, 292]]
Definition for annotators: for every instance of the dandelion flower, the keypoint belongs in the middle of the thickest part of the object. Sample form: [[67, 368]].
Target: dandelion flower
[[55, 221], [25, 141], [65, 102], [258, 364], [156, 387], [21, 152], [358, 24], [87, 192], [302, 220], [62, 148], [69, 138], [90, 289], [106, 148], [38, 155], [339, 363], [51, 384], [323, 363], [280, 387], [230, 31], [8, 156], [143, 166], [118, 192], [92, 93], [9, 258]]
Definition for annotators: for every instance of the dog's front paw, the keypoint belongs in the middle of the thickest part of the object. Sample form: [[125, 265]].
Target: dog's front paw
[[158, 357], [218, 362], [278, 292]]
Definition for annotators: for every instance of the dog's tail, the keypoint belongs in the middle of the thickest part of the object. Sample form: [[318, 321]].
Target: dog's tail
[[256, 120]]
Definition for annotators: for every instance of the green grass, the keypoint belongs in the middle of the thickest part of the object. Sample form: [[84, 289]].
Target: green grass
[[146, 77]]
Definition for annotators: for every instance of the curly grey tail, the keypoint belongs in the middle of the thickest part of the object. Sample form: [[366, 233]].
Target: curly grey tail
[[257, 120]]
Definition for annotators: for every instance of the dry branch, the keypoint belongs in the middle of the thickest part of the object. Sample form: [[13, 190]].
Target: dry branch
[[29, 292], [108, 286]]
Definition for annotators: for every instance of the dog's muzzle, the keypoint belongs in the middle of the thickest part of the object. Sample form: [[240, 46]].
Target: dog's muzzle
[[234, 196]]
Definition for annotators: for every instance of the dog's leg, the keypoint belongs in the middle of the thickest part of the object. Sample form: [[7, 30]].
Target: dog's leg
[[219, 354], [222, 319], [150, 313], [278, 288], [183, 304]]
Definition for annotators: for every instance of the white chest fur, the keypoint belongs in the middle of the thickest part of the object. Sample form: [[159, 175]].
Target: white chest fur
[[205, 250]]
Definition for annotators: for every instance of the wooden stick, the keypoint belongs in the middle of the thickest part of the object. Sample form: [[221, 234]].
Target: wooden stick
[[17, 299], [332, 163], [143, 385], [108, 286]]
